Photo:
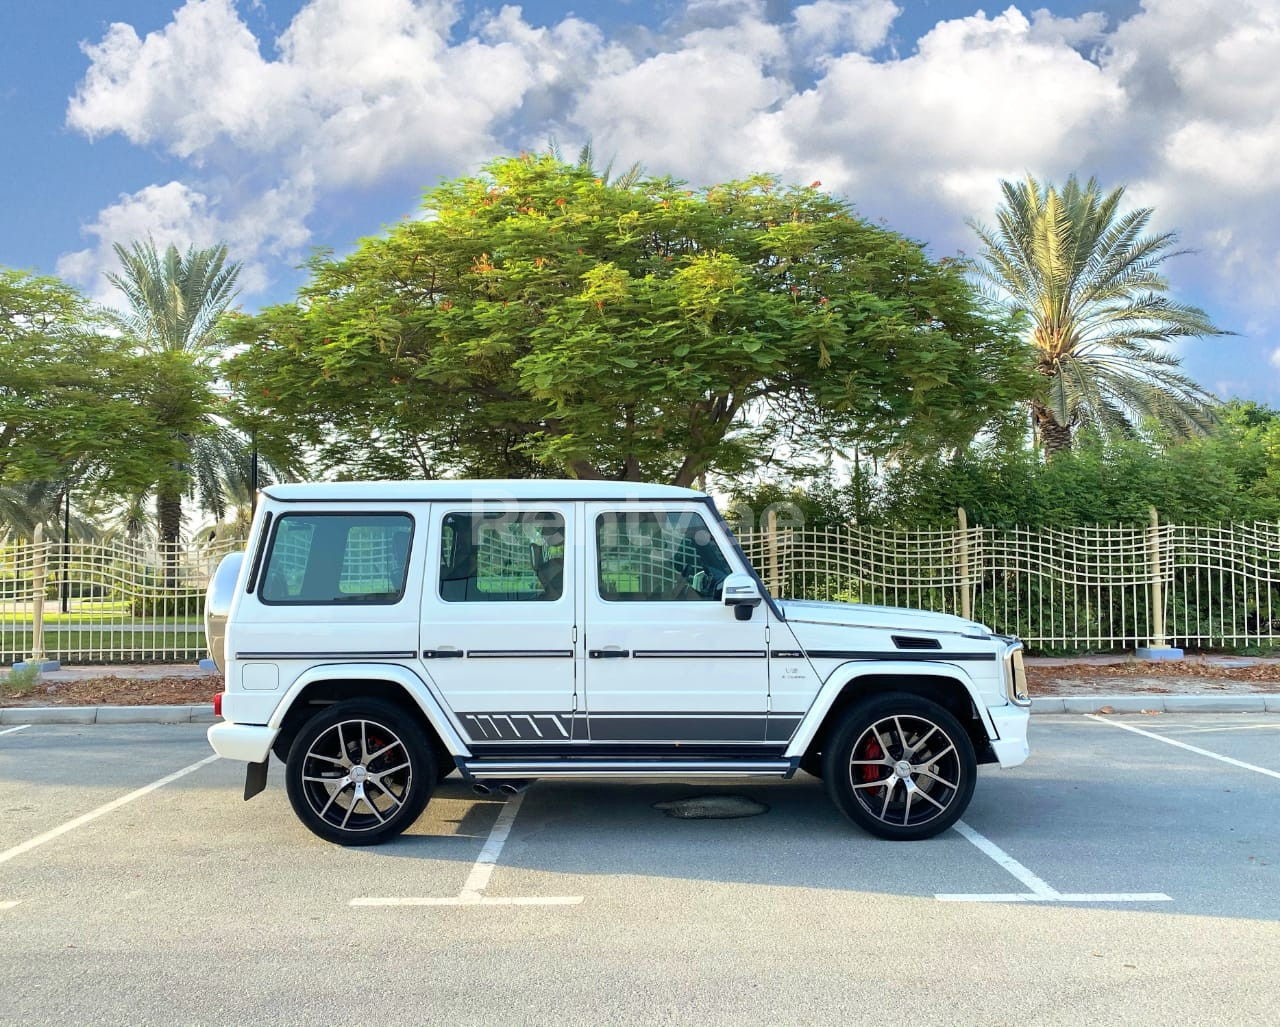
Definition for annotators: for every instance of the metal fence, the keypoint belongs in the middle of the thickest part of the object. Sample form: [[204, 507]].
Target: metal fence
[[83, 602], [1061, 590]]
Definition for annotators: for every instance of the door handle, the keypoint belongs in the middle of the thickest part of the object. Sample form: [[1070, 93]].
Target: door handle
[[442, 654], [608, 654]]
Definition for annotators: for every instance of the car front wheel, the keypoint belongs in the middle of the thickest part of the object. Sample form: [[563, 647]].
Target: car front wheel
[[901, 767], [360, 773]]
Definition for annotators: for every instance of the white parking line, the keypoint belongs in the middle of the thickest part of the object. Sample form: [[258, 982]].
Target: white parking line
[[1183, 745], [114, 804], [8, 904], [1040, 889], [11, 730], [472, 893]]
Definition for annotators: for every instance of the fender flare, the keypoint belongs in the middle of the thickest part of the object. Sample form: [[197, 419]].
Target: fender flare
[[413, 685], [848, 672]]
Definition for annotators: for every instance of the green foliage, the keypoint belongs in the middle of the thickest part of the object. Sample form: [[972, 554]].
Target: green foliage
[[70, 393], [1231, 474], [543, 321], [177, 305], [18, 683], [1086, 280]]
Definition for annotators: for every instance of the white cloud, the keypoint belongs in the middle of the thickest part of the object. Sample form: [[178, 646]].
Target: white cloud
[[1180, 101], [177, 214], [830, 26]]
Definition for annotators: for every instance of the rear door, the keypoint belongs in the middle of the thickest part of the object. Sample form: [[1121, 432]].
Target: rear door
[[498, 620]]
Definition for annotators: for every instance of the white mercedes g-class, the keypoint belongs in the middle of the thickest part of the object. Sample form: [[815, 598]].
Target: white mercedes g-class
[[380, 635]]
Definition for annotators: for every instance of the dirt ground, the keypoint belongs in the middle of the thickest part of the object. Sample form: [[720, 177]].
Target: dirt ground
[[1217, 675]]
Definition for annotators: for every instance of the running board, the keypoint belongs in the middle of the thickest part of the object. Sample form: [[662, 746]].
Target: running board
[[575, 768]]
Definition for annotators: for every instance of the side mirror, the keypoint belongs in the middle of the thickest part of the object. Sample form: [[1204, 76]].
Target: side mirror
[[742, 592]]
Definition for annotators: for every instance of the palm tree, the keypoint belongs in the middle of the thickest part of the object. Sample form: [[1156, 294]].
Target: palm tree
[[176, 302], [1087, 278]]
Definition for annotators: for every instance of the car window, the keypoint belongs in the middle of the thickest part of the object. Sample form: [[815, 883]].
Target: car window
[[338, 558], [502, 557], [657, 556]]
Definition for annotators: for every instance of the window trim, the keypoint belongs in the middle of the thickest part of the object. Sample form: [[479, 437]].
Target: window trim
[[518, 511], [726, 553], [303, 514]]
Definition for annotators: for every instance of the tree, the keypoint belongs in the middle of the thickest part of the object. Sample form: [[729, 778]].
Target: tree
[[1086, 278], [176, 303], [70, 392], [540, 320]]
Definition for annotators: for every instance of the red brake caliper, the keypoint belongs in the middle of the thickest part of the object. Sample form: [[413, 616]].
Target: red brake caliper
[[871, 751]]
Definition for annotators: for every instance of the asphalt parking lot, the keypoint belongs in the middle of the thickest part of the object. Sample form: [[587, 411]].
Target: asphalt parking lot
[[1115, 878]]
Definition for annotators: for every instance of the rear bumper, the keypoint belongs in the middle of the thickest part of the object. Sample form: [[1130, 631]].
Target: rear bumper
[[1010, 722], [249, 743]]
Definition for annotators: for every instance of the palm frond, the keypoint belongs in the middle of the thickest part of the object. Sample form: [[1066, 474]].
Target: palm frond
[[1087, 276]]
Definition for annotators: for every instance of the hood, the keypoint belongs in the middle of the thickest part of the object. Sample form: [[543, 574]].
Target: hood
[[889, 617]]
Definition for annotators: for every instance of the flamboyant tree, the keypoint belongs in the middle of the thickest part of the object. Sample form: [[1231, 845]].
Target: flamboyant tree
[[540, 320]]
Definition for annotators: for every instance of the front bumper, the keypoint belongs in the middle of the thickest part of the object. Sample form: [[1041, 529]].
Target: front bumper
[[249, 743], [1011, 723]]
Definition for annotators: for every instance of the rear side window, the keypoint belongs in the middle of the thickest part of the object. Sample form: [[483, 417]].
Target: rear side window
[[338, 558], [502, 557]]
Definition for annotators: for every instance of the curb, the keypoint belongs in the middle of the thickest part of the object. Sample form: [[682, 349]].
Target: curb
[[198, 714], [1158, 704], [1077, 704]]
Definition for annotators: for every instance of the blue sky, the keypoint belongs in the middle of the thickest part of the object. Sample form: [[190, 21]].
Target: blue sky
[[283, 125]]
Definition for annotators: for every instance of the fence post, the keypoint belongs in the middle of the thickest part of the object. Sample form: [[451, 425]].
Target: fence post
[[771, 548], [39, 574], [1159, 648], [966, 601]]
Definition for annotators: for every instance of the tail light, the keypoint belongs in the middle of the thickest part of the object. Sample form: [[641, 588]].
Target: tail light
[[217, 704]]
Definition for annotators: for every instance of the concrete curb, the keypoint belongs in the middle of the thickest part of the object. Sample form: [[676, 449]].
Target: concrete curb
[[1157, 703], [199, 714]]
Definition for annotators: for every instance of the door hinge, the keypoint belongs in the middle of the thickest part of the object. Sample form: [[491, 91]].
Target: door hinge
[[575, 634], [766, 634]]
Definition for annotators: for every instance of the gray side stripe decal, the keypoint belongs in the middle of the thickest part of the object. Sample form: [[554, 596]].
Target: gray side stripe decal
[[699, 654], [495, 654], [899, 656], [326, 656]]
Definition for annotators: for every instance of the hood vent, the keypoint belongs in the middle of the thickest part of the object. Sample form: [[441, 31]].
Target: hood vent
[[908, 642]]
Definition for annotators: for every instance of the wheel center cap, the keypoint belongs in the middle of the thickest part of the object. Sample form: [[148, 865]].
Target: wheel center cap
[[358, 774], [903, 769]]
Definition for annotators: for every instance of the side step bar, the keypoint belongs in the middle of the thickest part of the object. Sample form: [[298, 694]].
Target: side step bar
[[576, 768]]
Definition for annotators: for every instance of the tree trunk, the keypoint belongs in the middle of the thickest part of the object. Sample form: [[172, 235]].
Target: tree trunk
[[1055, 437], [169, 524]]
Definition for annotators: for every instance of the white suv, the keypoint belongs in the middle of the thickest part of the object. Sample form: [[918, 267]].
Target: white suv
[[384, 634]]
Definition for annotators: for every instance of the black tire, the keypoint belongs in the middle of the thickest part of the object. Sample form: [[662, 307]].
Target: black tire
[[357, 744], [889, 740]]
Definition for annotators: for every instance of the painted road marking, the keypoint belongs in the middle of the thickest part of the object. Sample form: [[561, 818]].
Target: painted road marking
[[472, 893], [11, 730], [1183, 745], [1040, 891], [8, 904], [101, 811]]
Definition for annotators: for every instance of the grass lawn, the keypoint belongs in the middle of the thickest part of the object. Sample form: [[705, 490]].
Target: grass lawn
[[96, 644]]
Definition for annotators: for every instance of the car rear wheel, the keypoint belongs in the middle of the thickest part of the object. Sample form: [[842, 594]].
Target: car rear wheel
[[901, 767], [360, 773]]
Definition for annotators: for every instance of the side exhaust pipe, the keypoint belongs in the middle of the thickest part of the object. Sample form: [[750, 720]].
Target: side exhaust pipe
[[503, 789]]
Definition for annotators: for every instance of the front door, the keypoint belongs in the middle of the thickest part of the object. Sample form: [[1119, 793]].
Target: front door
[[498, 622], [667, 663]]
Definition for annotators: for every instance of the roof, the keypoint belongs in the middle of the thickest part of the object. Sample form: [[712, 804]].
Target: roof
[[475, 489]]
